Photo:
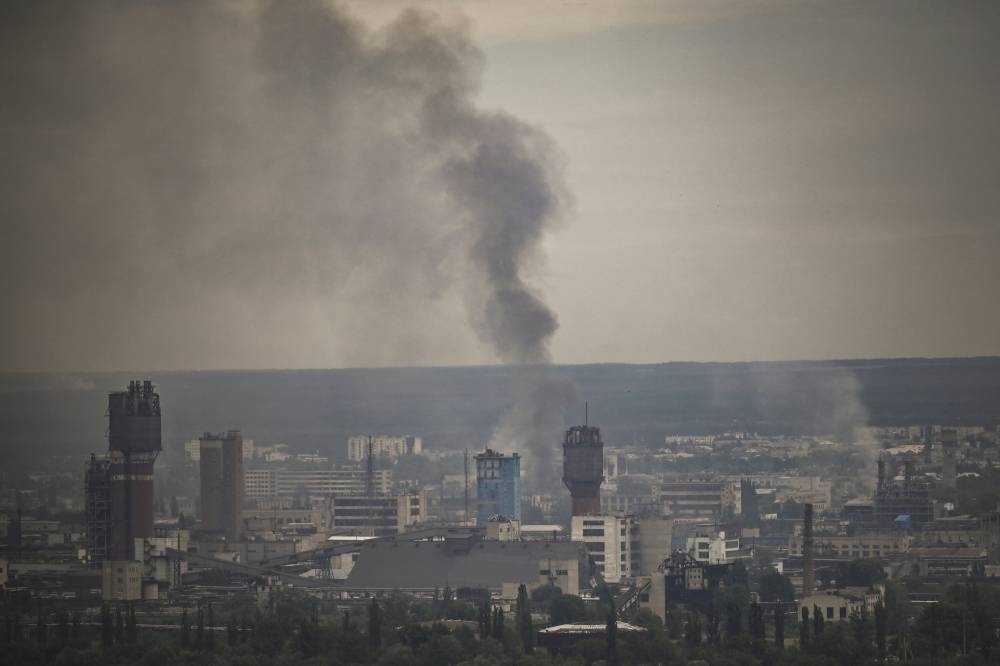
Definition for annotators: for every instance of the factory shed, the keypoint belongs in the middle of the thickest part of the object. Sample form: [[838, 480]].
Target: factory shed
[[494, 565], [564, 637]]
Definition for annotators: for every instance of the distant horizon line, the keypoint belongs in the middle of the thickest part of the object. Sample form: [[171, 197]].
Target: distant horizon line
[[473, 366]]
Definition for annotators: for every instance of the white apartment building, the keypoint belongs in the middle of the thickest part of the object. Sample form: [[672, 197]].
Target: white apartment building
[[611, 541], [262, 483], [383, 446], [713, 548]]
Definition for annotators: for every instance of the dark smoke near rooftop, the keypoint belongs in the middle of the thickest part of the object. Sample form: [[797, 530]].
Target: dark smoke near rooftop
[[240, 178]]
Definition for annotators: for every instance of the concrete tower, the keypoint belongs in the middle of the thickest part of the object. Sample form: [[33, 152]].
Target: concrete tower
[[583, 468], [133, 444]]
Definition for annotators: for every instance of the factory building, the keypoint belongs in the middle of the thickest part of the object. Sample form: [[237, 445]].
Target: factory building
[[468, 561], [118, 488], [119, 485], [265, 483], [583, 468], [867, 545], [911, 499], [498, 486], [612, 542], [221, 471], [133, 444], [379, 515], [383, 446], [700, 499]]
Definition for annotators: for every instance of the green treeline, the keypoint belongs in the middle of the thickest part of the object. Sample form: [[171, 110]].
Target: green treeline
[[453, 629]]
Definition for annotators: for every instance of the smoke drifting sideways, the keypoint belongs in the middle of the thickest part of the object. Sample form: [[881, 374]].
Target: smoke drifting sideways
[[828, 401], [206, 184]]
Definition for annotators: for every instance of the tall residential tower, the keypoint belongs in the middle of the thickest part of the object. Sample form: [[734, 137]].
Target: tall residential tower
[[221, 470], [498, 486]]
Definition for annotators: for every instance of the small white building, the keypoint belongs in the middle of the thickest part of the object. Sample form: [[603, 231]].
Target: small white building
[[713, 548]]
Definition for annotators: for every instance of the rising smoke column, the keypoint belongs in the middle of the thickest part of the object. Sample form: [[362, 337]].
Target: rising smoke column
[[281, 168]]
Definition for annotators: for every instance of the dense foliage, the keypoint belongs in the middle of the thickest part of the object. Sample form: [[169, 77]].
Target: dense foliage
[[397, 629]]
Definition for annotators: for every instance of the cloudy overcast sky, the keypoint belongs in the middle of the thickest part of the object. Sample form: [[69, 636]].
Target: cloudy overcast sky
[[749, 181], [800, 181]]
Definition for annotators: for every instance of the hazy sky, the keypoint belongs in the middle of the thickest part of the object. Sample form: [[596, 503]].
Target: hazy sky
[[739, 181]]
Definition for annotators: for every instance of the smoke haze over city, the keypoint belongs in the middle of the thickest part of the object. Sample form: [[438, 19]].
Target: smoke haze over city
[[274, 185]]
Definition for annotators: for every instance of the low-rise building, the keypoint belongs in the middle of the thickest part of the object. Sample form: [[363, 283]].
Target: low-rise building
[[471, 562], [383, 446], [861, 546], [841, 604], [949, 561]]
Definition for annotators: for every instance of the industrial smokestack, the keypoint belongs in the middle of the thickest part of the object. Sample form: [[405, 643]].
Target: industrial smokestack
[[808, 561], [881, 474]]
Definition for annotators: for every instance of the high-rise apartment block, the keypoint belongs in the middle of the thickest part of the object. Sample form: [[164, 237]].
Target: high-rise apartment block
[[221, 467], [498, 486]]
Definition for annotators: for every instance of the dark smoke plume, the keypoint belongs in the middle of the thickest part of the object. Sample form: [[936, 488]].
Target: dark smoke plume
[[205, 184]]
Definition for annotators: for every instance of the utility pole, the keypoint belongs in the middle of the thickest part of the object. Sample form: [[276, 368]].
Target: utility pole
[[466, 487]]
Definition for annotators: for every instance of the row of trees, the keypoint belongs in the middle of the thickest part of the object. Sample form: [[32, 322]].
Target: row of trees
[[394, 629]]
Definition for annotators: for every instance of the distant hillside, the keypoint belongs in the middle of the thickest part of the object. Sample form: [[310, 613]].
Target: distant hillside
[[457, 407]]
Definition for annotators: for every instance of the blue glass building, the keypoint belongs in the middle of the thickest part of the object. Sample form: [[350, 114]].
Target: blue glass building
[[498, 486]]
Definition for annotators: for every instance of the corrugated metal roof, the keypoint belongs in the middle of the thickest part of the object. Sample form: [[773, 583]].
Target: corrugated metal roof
[[427, 564], [565, 629]]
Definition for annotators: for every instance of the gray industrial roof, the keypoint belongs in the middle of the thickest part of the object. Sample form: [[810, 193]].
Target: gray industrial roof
[[427, 564]]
